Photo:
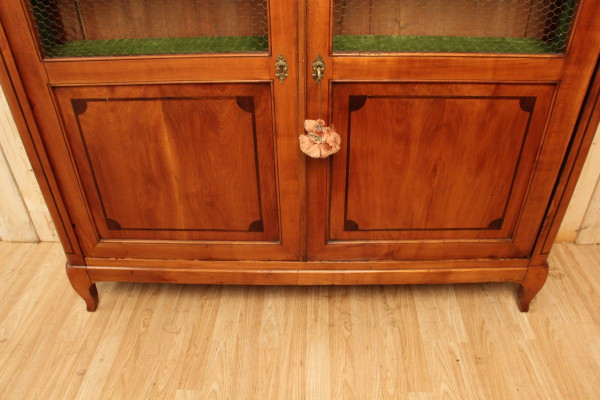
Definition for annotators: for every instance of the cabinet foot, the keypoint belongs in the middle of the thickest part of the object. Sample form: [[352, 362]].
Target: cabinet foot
[[531, 285], [81, 282]]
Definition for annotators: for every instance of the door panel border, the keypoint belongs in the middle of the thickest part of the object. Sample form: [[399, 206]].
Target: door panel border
[[496, 225], [78, 147]]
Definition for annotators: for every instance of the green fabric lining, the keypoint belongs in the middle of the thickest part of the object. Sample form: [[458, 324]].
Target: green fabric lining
[[515, 45], [126, 47], [341, 43], [382, 43]]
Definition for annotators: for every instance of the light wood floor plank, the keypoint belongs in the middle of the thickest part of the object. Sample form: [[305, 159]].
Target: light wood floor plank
[[213, 342]]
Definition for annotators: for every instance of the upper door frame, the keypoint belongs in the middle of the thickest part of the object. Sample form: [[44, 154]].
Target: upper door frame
[[570, 73], [39, 76]]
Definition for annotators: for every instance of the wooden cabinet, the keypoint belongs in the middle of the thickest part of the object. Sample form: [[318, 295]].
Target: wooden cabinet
[[164, 135]]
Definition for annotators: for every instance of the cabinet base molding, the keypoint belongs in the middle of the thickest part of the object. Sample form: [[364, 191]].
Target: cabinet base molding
[[83, 278]]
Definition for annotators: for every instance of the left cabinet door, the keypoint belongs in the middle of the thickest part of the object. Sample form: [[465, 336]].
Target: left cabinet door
[[170, 126]]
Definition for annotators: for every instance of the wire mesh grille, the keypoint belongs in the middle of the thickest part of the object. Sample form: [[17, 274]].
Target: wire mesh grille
[[486, 26], [83, 28]]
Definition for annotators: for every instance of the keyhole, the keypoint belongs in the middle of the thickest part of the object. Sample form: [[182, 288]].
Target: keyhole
[[281, 68]]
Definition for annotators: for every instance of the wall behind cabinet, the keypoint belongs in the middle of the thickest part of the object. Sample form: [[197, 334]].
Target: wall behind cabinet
[[582, 221], [24, 216]]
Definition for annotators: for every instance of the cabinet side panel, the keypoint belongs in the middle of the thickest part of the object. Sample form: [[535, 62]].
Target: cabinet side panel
[[572, 166], [26, 124]]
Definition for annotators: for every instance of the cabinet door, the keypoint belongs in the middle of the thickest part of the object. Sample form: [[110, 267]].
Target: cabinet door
[[454, 118], [170, 124]]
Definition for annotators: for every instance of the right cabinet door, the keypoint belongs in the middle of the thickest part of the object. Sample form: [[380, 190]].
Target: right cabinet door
[[453, 128]]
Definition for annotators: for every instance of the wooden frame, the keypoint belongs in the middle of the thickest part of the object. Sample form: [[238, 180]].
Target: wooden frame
[[207, 68], [557, 175]]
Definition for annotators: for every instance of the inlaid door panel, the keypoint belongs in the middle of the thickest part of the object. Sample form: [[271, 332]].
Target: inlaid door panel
[[428, 171], [164, 161], [433, 161]]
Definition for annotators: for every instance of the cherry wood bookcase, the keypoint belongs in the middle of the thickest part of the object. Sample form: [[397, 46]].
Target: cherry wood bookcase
[[164, 136]]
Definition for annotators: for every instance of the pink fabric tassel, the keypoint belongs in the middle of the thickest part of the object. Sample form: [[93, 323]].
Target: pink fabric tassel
[[319, 141]]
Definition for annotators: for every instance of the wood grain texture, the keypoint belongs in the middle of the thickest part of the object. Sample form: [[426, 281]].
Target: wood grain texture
[[308, 265], [471, 67], [175, 162], [13, 149], [296, 273], [433, 161], [80, 280], [363, 342], [435, 184], [159, 69], [573, 164], [301, 276], [428, 186], [532, 283]]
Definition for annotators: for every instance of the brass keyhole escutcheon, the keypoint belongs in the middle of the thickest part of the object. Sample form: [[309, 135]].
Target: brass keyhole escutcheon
[[318, 67], [281, 68]]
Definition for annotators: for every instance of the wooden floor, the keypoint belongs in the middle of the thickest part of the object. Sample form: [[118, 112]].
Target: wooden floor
[[204, 342]]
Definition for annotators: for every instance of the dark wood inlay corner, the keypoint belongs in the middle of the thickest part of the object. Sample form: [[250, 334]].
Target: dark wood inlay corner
[[256, 226], [113, 225], [355, 103], [527, 103], [496, 224], [79, 106], [246, 103], [350, 225]]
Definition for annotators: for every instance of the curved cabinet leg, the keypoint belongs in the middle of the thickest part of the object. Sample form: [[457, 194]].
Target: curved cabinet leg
[[531, 285], [81, 282]]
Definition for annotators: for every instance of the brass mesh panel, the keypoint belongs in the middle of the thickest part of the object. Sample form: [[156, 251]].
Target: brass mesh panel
[[482, 26], [83, 28]]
